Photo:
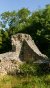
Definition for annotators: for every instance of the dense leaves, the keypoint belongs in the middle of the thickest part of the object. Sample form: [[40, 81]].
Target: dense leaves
[[37, 24]]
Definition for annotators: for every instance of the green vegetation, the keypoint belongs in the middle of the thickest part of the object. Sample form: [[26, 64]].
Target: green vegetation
[[37, 24], [30, 76], [34, 69]]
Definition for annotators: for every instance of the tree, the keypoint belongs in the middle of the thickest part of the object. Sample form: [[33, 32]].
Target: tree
[[23, 14], [0, 38], [37, 24]]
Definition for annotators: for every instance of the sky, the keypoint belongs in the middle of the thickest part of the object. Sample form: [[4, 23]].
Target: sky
[[32, 5]]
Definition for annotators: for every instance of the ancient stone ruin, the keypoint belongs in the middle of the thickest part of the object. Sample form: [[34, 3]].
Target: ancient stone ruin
[[23, 49], [26, 48]]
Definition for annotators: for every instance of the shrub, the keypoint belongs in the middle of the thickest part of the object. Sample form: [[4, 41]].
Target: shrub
[[33, 69], [28, 69]]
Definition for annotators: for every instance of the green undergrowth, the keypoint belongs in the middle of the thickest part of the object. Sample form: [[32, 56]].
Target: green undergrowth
[[8, 81], [30, 76]]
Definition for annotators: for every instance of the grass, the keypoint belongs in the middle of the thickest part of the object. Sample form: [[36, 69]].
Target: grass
[[31, 76], [29, 81]]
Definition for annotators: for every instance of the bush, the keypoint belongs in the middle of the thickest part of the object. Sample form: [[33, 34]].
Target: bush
[[33, 69], [28, 69]]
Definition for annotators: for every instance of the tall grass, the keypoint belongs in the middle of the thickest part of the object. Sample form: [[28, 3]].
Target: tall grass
[[30, 76], [25, 81]]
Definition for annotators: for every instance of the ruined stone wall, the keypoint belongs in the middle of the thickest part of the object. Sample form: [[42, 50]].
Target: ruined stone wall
[[26, 53], [25, 48]]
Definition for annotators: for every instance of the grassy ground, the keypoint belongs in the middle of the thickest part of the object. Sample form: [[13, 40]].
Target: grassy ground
[[33, 76], [9, 81]]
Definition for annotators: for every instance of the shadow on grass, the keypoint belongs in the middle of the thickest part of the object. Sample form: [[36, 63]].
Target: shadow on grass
[[34, 69]]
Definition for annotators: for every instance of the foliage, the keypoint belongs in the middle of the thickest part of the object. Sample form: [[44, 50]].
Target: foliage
[[23, 14], [28, 69], [9, 81], [28, 78], [37, 24], [34, 69]]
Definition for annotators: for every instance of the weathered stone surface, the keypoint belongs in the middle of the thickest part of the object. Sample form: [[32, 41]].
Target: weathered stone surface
[[26, 48], [23, 49]]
